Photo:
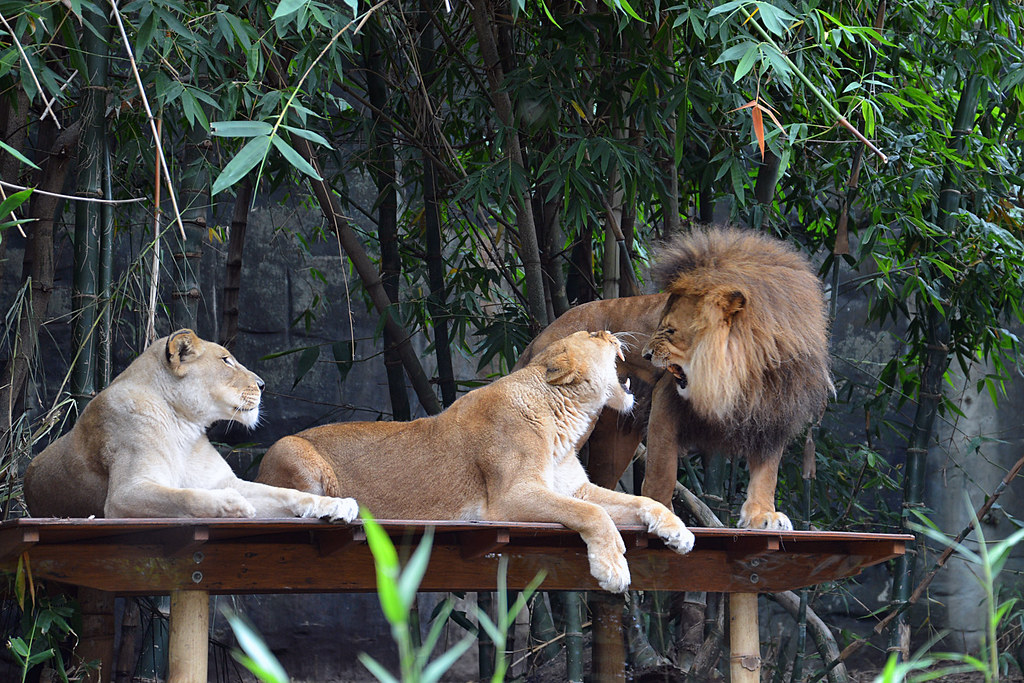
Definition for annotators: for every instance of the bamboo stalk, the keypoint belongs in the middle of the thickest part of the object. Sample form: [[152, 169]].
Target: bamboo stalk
[[387, 215]]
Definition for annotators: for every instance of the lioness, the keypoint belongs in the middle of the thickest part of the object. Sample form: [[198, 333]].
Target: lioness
[[139, 449], [505, 451], [732, 358]]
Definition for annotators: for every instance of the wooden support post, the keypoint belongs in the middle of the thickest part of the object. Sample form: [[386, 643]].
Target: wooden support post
[[97, 632], [609, 649], [744, 641], [189, 636]]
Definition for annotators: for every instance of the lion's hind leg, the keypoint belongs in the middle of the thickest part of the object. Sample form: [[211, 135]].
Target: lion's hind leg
[[758, 512], [626, 509], [294, 463]]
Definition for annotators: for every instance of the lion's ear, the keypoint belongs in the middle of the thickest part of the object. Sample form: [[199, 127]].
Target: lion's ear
[[182, 347], [562, 369], [731, 302]]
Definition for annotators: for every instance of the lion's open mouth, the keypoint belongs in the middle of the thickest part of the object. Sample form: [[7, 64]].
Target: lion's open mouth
[[677, 372]]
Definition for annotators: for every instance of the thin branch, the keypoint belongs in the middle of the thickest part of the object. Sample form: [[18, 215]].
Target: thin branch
[[152, 121], [71, 198], [28, 65]]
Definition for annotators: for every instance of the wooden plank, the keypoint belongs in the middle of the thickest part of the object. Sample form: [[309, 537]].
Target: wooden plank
[[15, 541], [474, 544], [330, 542], [272, 568]]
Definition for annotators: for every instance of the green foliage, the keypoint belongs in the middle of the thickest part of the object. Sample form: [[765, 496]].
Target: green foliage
[[396, 588], [990, 560], [255, 655], [46, 623]]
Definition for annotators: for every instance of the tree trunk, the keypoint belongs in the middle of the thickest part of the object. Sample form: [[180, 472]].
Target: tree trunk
[[529, 250], [188, 250], [88, 216], [233, 274], [38, 269], [387, 216], [370, 278], [437, 304], [935, 357]]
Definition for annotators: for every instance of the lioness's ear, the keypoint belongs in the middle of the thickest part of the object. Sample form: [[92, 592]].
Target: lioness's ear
[[731, 302], [182, 347], [562, 369]]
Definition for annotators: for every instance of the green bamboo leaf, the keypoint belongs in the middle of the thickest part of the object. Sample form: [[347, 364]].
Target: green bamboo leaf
[[726, 8], [746, 64], [286, 7], [294, 158], [385, 559], [247, 158], [240, 129], [307, 360], [412, 573], [310, 135], [344, 352], [433, 672], [256, 651], [17, 155], [379, 672], [13, 201]]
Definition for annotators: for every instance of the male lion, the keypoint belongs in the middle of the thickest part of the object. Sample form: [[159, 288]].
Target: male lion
[[733, 358], [505, 451], [139, 448]]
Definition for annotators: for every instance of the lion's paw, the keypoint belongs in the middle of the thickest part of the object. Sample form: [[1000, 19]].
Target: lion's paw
[[339, 509], [610, 570], [669, 528], [231, 503], [764, 519], [677, 536]]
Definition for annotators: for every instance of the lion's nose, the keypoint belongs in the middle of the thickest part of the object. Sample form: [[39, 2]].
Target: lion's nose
[[647, 353], [260, 383]]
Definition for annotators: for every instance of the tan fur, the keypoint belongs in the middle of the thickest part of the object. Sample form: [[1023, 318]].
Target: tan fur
[[505, 451], [139, 448], [734, 355]]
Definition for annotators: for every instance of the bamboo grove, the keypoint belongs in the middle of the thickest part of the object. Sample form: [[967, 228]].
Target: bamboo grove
[[525, 157]]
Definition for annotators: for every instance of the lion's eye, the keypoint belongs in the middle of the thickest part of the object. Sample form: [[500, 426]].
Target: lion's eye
[[228, 361]]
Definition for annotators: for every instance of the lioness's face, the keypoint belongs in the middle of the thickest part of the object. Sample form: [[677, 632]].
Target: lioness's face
[[590, 356], [209, 370]]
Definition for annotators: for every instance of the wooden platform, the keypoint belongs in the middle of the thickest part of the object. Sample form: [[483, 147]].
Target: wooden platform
[[221, 556]]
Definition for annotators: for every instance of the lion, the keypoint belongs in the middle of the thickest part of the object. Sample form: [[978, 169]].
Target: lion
[[732, 358], [140, 449], [505, 452]]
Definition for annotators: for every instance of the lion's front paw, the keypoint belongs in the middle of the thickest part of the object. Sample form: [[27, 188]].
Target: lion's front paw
[[677, 536], [610, 570], [752, 517], [669, 528], [231, 503], [339, 509]]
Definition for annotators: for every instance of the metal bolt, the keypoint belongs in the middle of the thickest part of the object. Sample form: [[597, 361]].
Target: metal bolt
[[197, 577], [197, 557], [754, 578], [755, 562]]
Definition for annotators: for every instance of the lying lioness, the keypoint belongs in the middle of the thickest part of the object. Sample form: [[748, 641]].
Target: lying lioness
[[506, 451], [139, 448]]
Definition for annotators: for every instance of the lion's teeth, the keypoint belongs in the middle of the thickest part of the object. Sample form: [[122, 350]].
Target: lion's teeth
[[619, 354], [626, 384]]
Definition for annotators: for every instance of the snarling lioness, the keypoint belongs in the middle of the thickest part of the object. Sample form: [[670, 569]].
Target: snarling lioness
[[732, 358], [505, 452], [140, 449]]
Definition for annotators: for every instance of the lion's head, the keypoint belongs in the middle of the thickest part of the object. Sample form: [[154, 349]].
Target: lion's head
[[744, 330], [205, 383], [586, 360]]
